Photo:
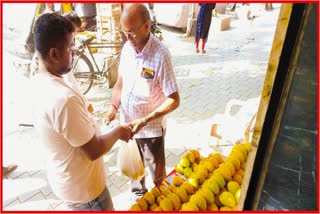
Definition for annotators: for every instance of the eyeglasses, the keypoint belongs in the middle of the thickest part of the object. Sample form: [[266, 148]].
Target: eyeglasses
[[132, 34]]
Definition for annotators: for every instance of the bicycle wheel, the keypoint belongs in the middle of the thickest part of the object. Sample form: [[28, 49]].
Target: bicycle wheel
[[83, 72]]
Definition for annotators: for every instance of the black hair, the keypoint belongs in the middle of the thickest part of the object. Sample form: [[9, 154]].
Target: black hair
[[73, 17], [51, 31]]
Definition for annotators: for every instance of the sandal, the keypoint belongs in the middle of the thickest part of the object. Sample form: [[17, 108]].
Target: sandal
[[8, 169]]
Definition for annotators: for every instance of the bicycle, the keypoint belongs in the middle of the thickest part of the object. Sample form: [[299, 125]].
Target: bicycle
[[88, 73]]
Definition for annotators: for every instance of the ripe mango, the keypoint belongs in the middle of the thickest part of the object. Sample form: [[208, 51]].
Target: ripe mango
[[177, 180], [230, 167], [189, 206], [166, 204], [184, 161], [235, 162], [182, 194], [196, 153], [148, 196], [214, 161], [179, 168], [218, 157], [225, 208], [160, 198], [191, 185], [226, 198], [207, 194], [153, 206], [155, 192], [199, 201], [243, 165], [212, 207], [212, 186], [233, 186], [142, 204], [165, 191], [240, 172], [187, 172], [241, 148], [237, 195], [217, 177], [191, 157], [238, 178], [237, 154], [203, 170], [135, 207], [158, 208], [194, 167], [225, 172], [175, 200], [172, 188], [208, 165]]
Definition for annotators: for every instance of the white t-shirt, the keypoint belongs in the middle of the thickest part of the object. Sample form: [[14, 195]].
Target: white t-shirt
[[64, 124]]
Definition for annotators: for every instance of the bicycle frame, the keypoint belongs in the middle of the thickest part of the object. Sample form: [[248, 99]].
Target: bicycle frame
[[93, 74], [79, 51], [102, 45]]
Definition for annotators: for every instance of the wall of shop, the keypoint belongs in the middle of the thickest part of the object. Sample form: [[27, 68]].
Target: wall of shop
[[290, 182]]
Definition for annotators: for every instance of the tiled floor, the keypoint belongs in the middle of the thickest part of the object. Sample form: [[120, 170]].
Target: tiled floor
[[233, 68]]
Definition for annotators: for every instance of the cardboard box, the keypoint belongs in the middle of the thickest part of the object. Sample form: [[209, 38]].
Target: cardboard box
[[221, 23], [108, 9]]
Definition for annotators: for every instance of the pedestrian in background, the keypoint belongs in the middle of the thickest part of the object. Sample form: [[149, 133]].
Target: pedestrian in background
[[203, 25]]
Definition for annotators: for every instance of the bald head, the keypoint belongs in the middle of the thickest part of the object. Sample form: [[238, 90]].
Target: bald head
[[135, 24], [136, 11]]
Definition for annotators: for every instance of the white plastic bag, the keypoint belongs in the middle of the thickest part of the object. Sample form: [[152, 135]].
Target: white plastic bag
[[129, 161]]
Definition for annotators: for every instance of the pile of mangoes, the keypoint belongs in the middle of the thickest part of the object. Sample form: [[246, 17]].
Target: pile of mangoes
[[201, 183]]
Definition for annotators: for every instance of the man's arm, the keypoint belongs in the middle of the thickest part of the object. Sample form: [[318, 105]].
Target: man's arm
[[171, 103], [74, 123], [115, 101], [116, 92], [100, 145]]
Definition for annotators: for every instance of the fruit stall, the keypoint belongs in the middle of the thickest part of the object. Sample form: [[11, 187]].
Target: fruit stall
[[200, 183]]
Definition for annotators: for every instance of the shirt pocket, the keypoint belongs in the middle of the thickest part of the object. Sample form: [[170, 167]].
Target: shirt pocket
[[143, 88]]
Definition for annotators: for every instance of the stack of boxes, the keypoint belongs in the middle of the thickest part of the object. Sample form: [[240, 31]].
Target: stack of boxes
[[108, 24]]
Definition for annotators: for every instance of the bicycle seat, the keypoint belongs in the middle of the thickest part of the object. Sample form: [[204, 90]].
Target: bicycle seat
[[86, 41]]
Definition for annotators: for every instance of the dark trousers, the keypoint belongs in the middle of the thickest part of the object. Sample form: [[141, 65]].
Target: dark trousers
[[152, 152]]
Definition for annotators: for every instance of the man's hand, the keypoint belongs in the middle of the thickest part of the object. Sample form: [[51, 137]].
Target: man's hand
[[111, 115], [125, 132], [137, 125]]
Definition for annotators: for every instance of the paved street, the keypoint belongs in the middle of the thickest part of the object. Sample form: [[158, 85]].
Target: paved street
[[233, 68]]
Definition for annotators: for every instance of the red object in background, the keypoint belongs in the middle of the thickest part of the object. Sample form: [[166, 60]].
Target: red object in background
[[50, 6], [168, 180]]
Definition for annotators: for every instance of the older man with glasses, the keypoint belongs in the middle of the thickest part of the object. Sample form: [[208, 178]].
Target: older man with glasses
[[147, 90]]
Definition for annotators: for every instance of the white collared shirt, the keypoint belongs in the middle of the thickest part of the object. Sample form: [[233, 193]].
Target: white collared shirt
[[147, 79]]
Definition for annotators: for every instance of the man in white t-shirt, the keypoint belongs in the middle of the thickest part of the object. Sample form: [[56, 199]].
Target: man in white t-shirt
[[147, 90], [70, 136]]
